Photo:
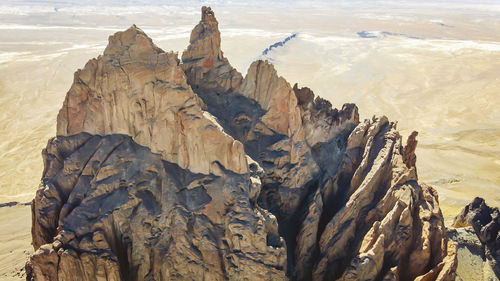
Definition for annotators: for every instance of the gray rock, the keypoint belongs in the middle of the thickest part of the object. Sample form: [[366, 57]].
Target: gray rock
[[109, 209], [485, 222], [472, 263]]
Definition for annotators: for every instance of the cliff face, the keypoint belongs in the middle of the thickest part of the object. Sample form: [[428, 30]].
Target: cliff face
[[137, 89], [111, 209], [164, 170]]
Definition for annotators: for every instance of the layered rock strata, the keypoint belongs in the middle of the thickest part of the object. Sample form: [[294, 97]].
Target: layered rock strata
[[164, 170]]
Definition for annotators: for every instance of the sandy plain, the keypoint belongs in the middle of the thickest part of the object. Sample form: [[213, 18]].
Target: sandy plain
[[433, 67]]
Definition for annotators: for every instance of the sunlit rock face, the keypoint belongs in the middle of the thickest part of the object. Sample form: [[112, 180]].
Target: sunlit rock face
[[164, 170], [137, 89], [204, 62]]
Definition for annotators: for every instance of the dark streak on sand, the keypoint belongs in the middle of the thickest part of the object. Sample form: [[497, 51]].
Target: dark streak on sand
[[383, 34], [14, 203], [279, 44], [445, 25]]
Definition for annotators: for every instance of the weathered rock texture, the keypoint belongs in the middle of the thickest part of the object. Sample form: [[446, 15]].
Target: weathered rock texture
[[169, 171], [472, 263], [204, 62], [109, 209], [137, 89], [485, 222]]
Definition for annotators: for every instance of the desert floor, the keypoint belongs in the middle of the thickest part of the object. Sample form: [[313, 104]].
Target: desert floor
[[433, 67]]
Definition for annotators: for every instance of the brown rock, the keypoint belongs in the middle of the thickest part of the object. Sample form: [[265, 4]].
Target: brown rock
[[305, 251], [282, 117], [233, 180], [321, 122], [447, 268], [204, 62], [376, 228], [276, 97], [410, 159], [305, 96], [137, 89], [472, 262]]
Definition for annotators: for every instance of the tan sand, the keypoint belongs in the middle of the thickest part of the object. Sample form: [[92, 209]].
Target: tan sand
[[15, 241]]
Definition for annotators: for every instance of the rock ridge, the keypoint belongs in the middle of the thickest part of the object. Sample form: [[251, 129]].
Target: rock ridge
[[110, 209]]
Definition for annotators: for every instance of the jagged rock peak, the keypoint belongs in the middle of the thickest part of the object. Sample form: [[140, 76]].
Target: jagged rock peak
[[137, 89], [204, 61], [207, 28], [133, 38], [275, 95], [321, 121], [207, 15], [410, 158], [305, 95]]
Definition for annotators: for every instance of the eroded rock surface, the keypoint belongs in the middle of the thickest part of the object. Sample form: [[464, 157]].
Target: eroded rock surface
[[137, 89], [187, 171], [109, 209], [204, 61], [485, 221], [472, 263], [387, 225]]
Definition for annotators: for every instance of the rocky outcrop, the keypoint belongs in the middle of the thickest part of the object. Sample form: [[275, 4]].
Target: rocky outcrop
[[409, 150], [137, 89], [110, 209], [204, 62], [485, 223], [276, 97], [472, 263], [387, 225], [322, 122], [170, 171]]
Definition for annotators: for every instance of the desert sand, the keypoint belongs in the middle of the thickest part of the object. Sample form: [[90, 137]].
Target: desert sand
[[15, 239], [433, 67]]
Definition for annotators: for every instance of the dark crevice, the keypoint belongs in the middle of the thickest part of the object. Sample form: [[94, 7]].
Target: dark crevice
[[288, 224], [337, 267], [120, 248], [239, 116]]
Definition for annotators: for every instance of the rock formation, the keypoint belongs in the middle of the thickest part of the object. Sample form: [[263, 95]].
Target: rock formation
[[137, 89], [163, 170], [204, 62], [472, 263], [110, 209], [479, 219]]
